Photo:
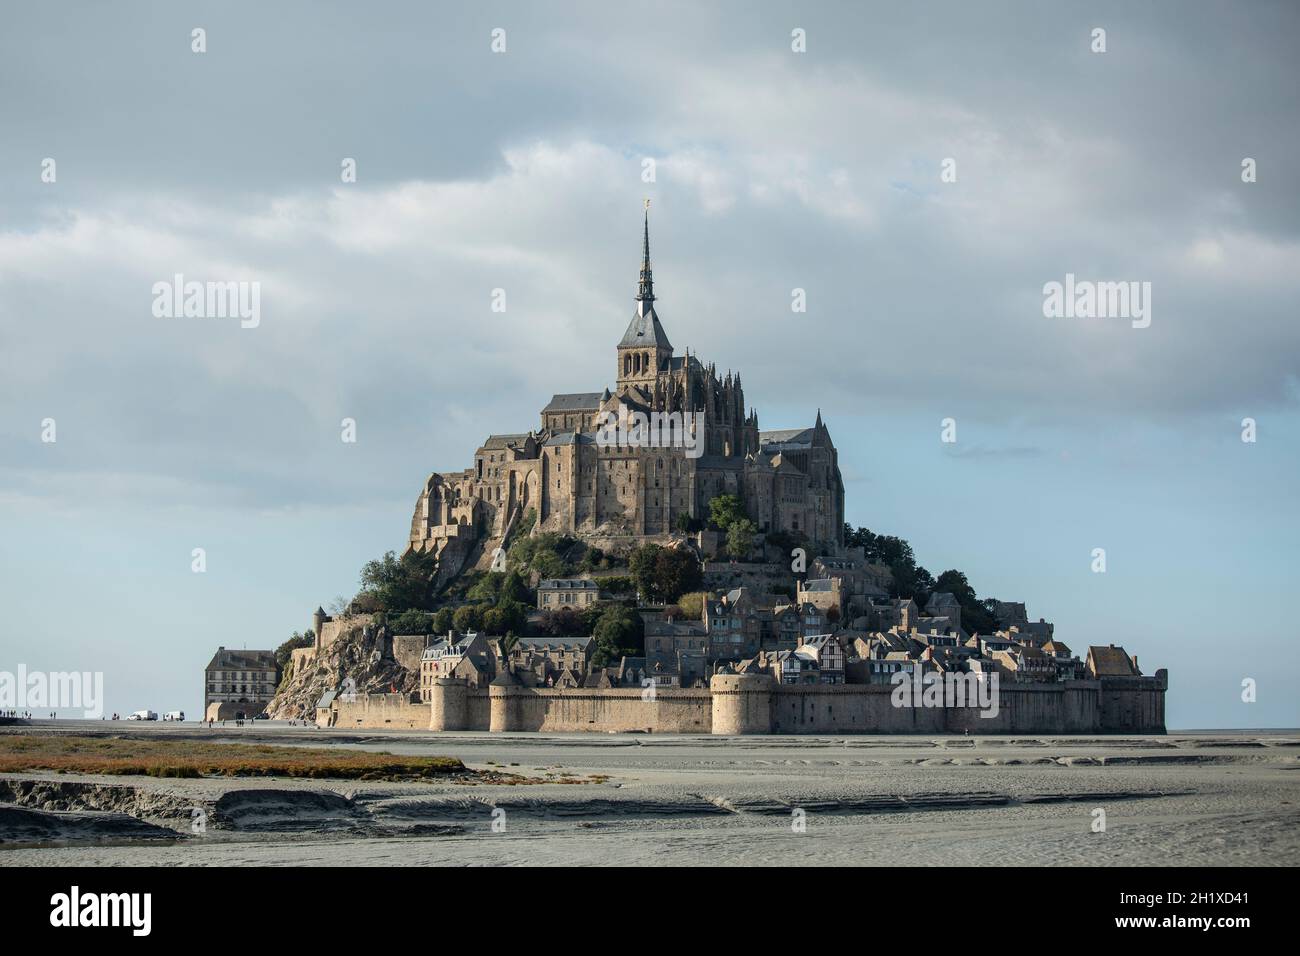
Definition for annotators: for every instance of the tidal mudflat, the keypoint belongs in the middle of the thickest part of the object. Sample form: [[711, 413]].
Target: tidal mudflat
[[1176, 800]]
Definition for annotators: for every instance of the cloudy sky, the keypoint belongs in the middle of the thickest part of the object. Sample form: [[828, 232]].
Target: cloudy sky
[[774, 170]]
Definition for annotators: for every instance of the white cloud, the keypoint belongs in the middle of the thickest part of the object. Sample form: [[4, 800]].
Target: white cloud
[[771, 174]]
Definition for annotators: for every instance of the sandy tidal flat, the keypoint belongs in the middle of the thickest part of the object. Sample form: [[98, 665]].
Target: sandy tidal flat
[[1199, 799]]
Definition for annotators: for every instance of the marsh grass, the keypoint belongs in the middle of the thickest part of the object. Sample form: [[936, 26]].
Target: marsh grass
[[21, 753]]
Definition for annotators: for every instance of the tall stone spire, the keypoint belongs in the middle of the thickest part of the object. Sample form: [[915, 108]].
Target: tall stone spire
[[646, 287], [644, 351]]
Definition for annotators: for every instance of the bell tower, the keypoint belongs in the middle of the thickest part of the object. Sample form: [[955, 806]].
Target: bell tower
[[644, 350]]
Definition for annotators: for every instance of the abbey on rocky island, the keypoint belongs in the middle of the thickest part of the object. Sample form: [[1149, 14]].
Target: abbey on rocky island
[[579, 482]]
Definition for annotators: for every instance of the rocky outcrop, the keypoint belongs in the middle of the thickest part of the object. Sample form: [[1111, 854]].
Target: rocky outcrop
[[359, 661]]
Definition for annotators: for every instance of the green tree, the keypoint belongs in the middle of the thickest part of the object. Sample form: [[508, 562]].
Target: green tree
[[487, 587], [692, 605], [620, 632], [514, 617], [589, 616], [367, 602], [412, 622], [564, 622], [548, 564], [468, 617], [787, 541], [740, 538], [398, 584], [976, 615], [921, 586], [725, 510], [443, 620], [547, 554], [676, 572], [494, 621], [910, 579], [617, 584], [513, 588], [663, 574], [955, 583], [641, 562]]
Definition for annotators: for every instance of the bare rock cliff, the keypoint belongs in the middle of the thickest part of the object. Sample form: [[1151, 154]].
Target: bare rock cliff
[[360, 660]]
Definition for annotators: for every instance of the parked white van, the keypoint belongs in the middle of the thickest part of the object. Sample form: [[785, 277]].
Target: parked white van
[[174, 715], [143, 715]]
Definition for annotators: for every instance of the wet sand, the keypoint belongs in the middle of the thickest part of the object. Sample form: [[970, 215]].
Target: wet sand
[[1177, 800]]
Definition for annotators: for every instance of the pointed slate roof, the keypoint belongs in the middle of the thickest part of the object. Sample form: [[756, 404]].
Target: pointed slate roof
[[644, 329]]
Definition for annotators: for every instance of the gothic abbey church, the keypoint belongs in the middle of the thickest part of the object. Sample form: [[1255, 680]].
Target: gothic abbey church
[[576, 484]]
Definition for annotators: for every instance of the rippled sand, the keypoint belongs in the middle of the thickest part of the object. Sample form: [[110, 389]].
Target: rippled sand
[[1168, 801]]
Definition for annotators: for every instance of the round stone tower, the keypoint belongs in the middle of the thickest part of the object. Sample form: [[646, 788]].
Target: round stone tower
[[742, 703], [505, 704], [317, 623], [449, 700]]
